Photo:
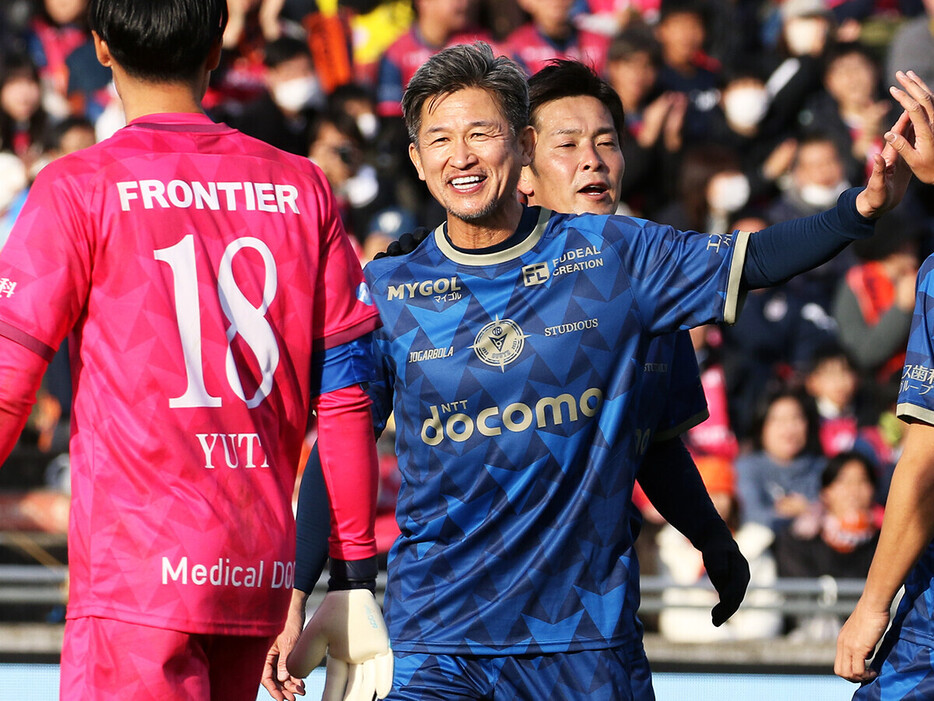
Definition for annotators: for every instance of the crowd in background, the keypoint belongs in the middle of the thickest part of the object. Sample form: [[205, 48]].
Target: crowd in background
[[739, 113]]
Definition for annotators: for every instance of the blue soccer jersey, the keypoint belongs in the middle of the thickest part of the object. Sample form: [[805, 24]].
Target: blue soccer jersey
[[524, 400], [916, 404]]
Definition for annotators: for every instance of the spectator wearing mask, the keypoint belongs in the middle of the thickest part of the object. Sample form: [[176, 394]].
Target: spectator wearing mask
[[712, 188], [816, 179], [745, 122], [282, 114], [336, 146]]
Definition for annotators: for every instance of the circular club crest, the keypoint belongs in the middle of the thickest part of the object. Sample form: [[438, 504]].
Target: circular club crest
[[499, 343]]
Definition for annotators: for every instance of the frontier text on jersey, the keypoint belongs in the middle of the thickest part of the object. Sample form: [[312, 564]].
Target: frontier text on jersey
[[230, 196]]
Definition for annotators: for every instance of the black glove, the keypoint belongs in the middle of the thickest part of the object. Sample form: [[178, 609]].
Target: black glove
[[406, 243], [728, 572]]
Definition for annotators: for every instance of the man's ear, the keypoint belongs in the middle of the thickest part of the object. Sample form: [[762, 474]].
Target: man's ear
[[102, 51], [526, 180], [214, 56], [416, 159]]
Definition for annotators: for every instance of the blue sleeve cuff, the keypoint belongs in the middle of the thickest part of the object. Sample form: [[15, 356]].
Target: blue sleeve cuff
[[342, 366]]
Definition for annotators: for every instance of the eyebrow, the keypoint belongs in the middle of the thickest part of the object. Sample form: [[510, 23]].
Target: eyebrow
[[571, 131], [470, 125]]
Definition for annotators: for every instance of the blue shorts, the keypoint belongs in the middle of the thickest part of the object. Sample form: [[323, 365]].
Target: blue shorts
[[589, 675], [906, 674]]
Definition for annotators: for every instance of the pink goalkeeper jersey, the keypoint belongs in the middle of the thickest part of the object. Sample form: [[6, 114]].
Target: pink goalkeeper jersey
[[198, 269]]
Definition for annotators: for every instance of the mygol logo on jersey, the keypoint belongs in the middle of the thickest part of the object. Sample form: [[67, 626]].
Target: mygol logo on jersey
[[516, 417], [424, 288], [499, 343]]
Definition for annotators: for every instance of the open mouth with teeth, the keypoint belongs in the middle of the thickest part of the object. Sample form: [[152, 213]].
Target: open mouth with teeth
[[467, 182]]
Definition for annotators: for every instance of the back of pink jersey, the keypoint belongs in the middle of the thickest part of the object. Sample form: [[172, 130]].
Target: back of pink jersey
[[198, 269]]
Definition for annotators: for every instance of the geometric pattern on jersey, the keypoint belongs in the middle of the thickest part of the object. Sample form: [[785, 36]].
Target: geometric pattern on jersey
[[906, 674], [518, 384], [916, 398], [588, 675], [198, 268]]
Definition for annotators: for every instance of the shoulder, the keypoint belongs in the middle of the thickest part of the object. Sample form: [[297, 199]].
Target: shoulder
[[385, 271]]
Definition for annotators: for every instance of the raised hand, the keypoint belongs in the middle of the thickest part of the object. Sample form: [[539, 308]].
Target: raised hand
[[913, 134]]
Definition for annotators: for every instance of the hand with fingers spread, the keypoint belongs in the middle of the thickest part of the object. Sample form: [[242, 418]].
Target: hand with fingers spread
[[913, 135]]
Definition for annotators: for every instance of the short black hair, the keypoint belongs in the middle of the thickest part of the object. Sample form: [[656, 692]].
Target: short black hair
[[285, 48], [161, 41], [562, 78], [635, 40], [836, 463], [812, 445], [698, 8]]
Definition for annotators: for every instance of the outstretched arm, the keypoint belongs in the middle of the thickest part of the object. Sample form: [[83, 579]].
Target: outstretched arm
[[672, 483], [907, 529]]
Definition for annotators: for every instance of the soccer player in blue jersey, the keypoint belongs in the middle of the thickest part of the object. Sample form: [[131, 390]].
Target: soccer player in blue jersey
[[903, 666], [515, 346], [576, 167]]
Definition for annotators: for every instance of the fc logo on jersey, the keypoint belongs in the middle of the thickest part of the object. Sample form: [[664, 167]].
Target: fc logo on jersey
[[535, 274], [499, 343]]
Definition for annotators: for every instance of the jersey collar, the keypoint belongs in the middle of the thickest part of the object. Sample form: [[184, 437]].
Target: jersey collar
[[178, 121], [502, 256]]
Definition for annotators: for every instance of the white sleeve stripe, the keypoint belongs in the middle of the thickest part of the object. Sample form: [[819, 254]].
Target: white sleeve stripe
[[733, 304], [912, 413]]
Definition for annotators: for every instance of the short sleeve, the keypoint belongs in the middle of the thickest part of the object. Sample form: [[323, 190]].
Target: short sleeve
[[45, 266], [916, 393], [344, 309], [680, 279]]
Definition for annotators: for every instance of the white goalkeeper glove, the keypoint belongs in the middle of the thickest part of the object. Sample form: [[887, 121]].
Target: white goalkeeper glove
[[348, 626]]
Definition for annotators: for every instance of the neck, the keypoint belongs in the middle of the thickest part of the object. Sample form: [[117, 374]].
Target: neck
[[491, 231], [141, 98]]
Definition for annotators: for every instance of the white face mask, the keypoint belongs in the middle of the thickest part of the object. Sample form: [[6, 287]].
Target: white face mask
[[298, 93], [729, 193], [804, 34], [822, 196], [745, 107], [368, 124]]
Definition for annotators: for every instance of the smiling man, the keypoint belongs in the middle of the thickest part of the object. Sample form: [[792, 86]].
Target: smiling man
[[514, 346]]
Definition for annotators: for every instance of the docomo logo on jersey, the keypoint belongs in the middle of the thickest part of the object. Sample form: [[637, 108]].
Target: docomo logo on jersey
[[516, 417]]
